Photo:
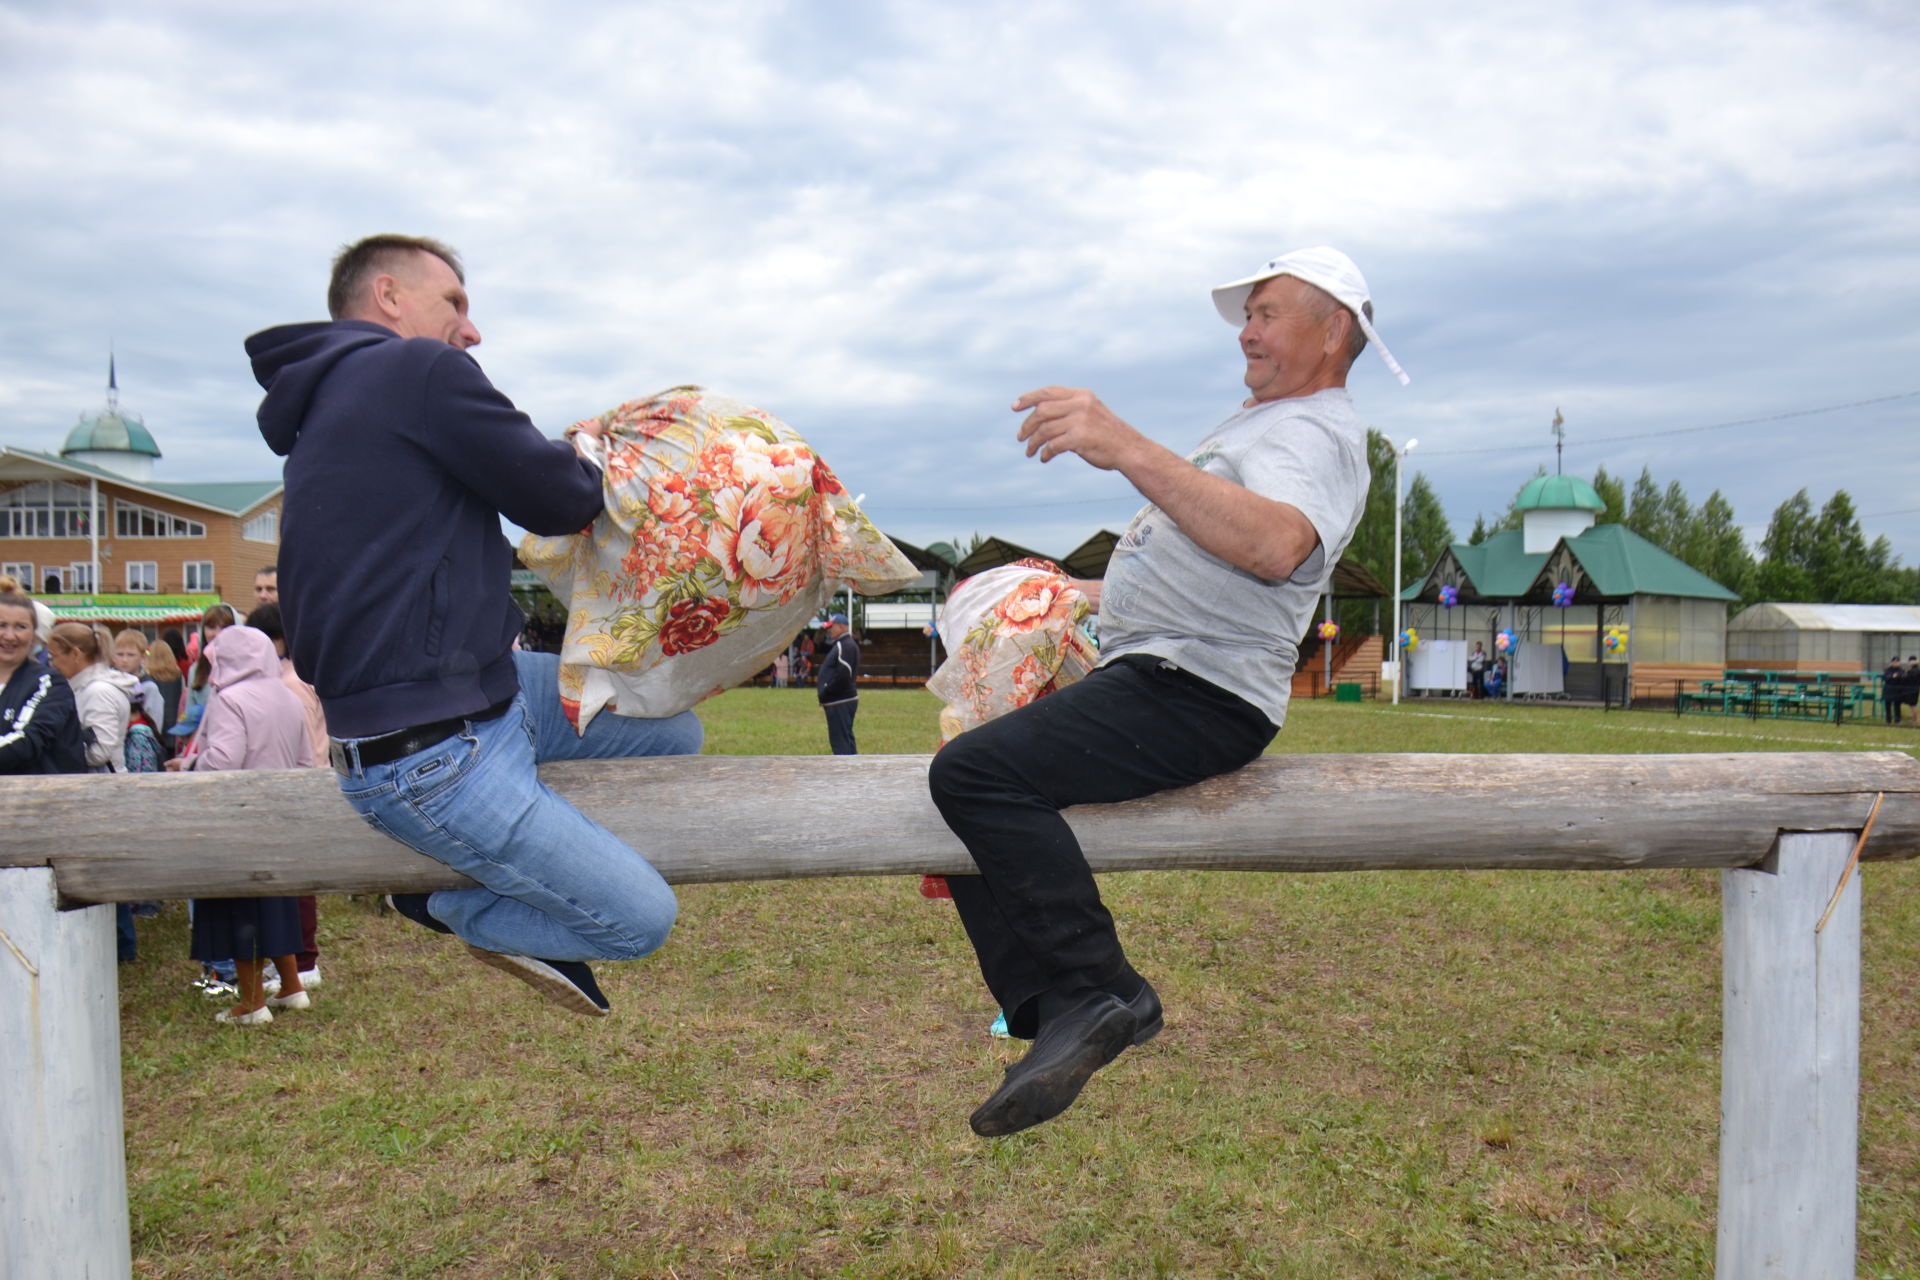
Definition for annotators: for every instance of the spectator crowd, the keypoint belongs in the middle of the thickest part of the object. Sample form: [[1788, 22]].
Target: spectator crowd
[[79, 698]]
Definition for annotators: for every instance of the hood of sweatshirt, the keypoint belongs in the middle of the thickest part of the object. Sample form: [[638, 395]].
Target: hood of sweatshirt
[[102, 673], [241, 653], [291, 362]]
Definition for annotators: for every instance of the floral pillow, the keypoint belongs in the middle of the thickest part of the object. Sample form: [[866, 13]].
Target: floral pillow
[[723, 534], [1013, 634]]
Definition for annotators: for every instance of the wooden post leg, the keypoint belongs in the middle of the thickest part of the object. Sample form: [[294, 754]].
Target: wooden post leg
[[1790, 1065], [63, 1165]]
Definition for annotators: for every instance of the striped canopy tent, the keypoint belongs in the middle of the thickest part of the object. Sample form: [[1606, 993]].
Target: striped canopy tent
[[130, 610]]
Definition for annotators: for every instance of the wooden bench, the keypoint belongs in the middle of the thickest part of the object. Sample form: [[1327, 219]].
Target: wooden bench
[[1781, 827]]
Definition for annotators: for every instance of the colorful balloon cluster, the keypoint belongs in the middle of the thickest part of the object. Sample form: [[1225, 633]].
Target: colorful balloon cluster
[[1449, 597], [1563, 594], [1504, 641], [1409, 639], [1329, 631], [1615, 641]]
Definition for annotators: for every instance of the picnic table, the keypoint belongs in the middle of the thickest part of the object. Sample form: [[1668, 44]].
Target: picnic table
[[1833, 696]]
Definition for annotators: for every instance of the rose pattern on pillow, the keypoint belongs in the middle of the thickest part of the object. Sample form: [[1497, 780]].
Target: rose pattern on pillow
[[723, 534]]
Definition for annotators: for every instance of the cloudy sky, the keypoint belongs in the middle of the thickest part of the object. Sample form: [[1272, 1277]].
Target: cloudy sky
[[884, 221]]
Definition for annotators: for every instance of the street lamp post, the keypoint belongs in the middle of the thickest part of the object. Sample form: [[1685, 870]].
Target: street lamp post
[[1399, 659]]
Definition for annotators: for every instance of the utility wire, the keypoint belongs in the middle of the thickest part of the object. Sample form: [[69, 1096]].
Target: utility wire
[[1134, 499], [1682, 431]]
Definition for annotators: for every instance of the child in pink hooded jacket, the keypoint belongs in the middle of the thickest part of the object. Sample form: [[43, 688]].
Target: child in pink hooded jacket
[[252, 721]]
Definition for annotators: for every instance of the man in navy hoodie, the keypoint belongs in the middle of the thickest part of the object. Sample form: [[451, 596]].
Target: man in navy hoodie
[[401, 460]]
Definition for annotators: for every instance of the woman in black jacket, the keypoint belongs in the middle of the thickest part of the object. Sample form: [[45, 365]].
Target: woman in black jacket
[[39, 725]]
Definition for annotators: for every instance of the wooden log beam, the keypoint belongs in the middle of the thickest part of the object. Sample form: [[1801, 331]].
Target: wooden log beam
[[718, 818]]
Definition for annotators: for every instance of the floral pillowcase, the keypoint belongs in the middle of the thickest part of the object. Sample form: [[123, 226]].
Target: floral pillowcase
[[723, 535], [1013, 634]]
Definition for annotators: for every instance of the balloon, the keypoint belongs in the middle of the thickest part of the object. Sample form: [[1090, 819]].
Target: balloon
[[1409, 639], [1329, 631], [1449, 597], [1504, 641], [1563, 595]]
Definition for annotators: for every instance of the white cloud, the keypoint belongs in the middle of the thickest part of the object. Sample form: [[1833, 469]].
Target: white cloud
[[885, 220]]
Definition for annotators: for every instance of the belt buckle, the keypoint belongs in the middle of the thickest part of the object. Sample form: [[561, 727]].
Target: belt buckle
[[338, 757]]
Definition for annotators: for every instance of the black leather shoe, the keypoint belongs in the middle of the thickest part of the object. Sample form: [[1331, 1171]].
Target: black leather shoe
[[1145, 1006], [1066, 1053], [414, 907]]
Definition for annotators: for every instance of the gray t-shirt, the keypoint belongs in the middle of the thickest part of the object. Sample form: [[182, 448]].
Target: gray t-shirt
[[1165, 596]]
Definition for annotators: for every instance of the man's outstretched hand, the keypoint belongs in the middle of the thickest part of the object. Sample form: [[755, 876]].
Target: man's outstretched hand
[[1072, 420], [1267, 538]]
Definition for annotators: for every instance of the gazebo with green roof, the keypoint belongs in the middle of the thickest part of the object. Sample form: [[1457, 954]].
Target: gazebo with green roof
[[1669, 618]]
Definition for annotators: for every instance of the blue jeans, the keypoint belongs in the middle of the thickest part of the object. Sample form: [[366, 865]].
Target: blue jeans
[[557, 885], [126, 942]]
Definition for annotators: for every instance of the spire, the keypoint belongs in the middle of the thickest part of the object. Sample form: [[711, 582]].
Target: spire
[[113, 382], [1559, 438]]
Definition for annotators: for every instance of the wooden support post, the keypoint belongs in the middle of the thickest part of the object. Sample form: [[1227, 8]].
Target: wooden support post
[[1790, 1064], [63, 1164]]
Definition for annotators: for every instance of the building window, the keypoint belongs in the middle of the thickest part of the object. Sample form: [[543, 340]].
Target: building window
[[143, 575], [131, 520], [198, 575], [77, 578], [46, 509], [264, 527], [21, 571]]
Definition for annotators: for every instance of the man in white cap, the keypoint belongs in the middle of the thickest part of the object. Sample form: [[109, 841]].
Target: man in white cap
[[1199, 612]]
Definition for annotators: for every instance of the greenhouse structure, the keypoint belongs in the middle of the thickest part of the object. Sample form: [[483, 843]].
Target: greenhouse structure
[[1822, 637]]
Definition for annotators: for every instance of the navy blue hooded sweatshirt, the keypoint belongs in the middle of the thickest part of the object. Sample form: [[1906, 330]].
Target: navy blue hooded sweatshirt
[[401, 459]]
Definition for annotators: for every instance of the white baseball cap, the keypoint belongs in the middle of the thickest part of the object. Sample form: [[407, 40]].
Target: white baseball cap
[[1323, 268]]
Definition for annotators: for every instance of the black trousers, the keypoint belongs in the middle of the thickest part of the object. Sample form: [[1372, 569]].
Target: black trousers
[[840, 727], [1129, 729]]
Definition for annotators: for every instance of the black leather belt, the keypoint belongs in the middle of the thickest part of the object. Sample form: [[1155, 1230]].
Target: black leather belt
[[389, 747]]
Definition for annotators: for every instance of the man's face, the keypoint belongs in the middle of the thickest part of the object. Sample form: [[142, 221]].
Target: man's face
[[1288, 347], [266, 588], [432, 303]]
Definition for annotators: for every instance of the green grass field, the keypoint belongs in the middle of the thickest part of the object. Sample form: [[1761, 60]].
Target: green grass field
[[1414, 1074]]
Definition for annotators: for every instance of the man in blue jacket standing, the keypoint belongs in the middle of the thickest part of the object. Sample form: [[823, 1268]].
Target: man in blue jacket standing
[[401, 460], [840, 686]]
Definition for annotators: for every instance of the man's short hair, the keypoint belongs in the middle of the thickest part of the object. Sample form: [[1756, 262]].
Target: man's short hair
[[358, 263], [1325, 304], [273, 569]]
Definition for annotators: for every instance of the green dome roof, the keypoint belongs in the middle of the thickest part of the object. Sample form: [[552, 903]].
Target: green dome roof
[[1558, 493], [113, 431]]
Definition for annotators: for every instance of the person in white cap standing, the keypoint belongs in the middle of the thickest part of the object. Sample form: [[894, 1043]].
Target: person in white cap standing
[[1199, 612]]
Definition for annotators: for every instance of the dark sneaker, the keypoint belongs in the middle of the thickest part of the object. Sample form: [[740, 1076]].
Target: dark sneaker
[[1066, 1053], [414, 907], [568, 983]]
